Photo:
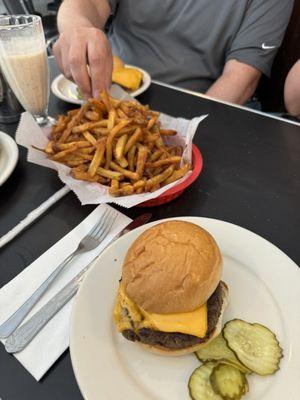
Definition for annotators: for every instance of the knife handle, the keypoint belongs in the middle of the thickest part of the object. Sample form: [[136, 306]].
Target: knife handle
[[23, 335]]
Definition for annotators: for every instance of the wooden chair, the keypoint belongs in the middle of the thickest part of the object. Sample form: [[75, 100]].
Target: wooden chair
[[271, 90]]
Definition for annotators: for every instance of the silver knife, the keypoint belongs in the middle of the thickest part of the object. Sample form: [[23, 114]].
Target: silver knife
[[23, 335]]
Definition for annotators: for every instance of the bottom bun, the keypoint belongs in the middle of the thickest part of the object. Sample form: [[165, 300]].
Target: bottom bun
[[187, 350]]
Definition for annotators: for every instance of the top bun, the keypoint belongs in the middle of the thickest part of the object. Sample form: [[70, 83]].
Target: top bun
[[172, 267]]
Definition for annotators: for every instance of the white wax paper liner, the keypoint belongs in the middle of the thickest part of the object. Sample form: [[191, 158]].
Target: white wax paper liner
[[30, 134]]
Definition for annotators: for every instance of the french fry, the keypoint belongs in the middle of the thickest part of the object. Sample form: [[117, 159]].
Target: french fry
[[132, 140], [106, 101], [114, 184], [139, 184], [106, 173], [157, 153], [123, 162], [49, 147], [89, 126], [89, 137], [92, 115], [128, 174], [98, 157], [131, 157], [83, 176], [179, 173], [159, 178], [152, 121], [100, 131], [112, 115], [78, 144], [168, 132], [124, 191], [120, 146], [109, 144], [63, 153], [139, 190], [141, 160], [98, 105], [166, 161], [74, 121]]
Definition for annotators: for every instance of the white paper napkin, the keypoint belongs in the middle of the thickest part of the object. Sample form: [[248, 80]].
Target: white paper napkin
[[30, 134], [53, 339]]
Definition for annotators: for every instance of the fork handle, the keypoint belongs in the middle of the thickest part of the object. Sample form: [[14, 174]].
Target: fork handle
[[14, 321]]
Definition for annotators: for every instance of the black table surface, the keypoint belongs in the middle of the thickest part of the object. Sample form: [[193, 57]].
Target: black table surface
[[250, 178]]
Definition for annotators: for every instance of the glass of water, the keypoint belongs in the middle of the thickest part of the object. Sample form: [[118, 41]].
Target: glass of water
[[24, 63]]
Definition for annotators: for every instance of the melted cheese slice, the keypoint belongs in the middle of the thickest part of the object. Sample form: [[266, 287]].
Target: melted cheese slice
[[191, 323]]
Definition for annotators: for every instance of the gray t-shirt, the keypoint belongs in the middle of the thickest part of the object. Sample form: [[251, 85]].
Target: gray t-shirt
[[187, 42]]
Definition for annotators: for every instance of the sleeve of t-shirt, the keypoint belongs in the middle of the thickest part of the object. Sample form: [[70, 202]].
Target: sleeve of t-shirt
[[261, 33], [113, 5]]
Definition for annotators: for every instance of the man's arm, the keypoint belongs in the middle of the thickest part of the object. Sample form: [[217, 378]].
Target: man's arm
[[292, 90], [237, 83], [82, 42]]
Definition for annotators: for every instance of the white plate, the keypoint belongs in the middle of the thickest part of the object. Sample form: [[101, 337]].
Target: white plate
[[264, 287], [67, 90], [9, 154]]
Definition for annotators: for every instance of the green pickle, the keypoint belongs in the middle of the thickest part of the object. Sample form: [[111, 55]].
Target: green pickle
[[228, 381], [255, 346], [217, 350], [199, 384]]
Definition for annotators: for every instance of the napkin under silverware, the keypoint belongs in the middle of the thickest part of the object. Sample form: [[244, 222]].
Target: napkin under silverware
[[53, 339]]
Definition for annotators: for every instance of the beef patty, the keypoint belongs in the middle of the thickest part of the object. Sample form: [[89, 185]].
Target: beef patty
[[177, 340]]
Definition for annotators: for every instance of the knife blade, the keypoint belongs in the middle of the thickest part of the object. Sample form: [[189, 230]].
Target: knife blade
[[23, 335]]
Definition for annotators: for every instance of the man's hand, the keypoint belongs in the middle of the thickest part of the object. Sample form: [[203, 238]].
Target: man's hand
[[78, 47], [237, 83]]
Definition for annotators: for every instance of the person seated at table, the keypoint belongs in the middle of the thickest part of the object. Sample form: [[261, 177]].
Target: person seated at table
[[292, 91], [219, 47]]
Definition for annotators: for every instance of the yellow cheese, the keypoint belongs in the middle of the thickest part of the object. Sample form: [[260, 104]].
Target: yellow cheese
[[191, 323]]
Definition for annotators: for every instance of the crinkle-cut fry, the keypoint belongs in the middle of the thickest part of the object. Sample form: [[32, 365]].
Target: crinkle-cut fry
[[157, 153], [74, 121], [106, 100], [107, 173], [159, 178], [63, 153], [49, 148], [141, 160], [89, 126], [152, 121], [119, 147], [133, 139], [111, 136], [63, 146], [168, 132], [131, 158], [123, 191], [128, 174], [97, 159], [112, 115], [92, 115], [166, 161], [177, 174], [89, 137]]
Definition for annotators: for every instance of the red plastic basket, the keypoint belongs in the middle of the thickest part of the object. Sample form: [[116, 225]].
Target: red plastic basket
[[177, 190]]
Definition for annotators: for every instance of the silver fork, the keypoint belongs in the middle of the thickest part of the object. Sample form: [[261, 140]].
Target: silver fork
[[92, 240]]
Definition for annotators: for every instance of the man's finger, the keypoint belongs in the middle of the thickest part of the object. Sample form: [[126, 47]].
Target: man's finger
[[97, 61], [78, 67]]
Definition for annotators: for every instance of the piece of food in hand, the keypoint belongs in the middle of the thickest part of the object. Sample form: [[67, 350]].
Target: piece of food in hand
[[255, 345], [218, 350], [129, 78], [199, 384], [229, 382], [170, 299]]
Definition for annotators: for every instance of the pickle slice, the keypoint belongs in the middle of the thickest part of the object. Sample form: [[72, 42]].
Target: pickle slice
[[217, 350], [255, 346], [229, 382], [199, 383]]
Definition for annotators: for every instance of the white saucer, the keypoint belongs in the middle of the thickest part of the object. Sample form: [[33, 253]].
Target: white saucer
[[264, 287], [67, 90], [9, 154]]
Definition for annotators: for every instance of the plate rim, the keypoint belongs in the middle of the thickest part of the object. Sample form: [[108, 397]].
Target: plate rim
[[139, 230], [8, 143], [60, 95]]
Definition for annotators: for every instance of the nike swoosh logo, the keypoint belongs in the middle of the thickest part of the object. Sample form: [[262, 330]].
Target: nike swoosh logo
[[265, 47]]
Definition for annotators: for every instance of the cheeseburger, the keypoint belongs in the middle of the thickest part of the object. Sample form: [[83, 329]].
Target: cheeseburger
[[170, 297]]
